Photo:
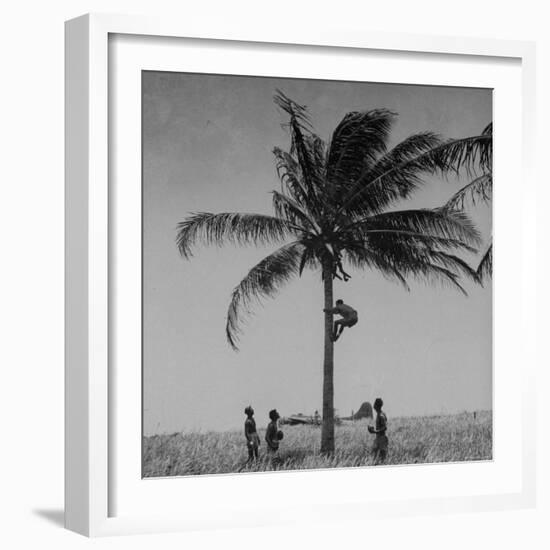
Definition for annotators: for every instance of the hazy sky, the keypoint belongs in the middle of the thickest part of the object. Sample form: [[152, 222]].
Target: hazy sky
[[207, 146]]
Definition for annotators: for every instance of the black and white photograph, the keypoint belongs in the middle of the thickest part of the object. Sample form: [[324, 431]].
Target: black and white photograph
[[316, 274], [259, 287]]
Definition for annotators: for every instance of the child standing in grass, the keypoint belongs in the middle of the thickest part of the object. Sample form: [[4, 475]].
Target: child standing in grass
[[252, 437], [380, 446]]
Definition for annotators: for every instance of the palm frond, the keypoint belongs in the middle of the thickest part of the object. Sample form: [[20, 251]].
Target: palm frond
[[418, 251], [390, 184], [293, 109], [437, 223], [308, 259], [372, 194], [236, 228], [359, 258], [416, 238], [429, 272], [301, 141], [356, 143], [317, 148], [263, 280], [288, 209], [407, 150], [288, 171], [290, 174], [453, 263], [485, 267], [479, 189], [471, 153], [404, 262]]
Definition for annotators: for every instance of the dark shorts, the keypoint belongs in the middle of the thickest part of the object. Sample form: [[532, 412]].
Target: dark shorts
[[347, 322], [380, 443]]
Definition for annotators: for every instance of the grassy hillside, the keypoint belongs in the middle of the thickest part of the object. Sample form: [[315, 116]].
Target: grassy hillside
[[412, 440]]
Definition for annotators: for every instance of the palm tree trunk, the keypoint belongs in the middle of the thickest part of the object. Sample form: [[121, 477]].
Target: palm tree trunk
[[327, 433]]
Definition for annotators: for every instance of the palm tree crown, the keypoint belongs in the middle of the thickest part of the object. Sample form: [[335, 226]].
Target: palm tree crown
[[333, 210], [473, 154]]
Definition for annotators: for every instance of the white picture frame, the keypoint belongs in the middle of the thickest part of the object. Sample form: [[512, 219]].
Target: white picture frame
[[93, 393]]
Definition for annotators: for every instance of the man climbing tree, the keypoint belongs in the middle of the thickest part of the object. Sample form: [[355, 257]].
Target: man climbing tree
[[348, 315]]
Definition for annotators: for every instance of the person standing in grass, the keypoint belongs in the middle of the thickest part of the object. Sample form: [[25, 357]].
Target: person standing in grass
[[380, 446], [252, 437], [273, 436]]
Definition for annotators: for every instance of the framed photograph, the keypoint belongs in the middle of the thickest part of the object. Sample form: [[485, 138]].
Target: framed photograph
[[293, 275]]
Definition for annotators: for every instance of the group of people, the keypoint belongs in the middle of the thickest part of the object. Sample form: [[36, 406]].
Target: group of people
[[273, 435]]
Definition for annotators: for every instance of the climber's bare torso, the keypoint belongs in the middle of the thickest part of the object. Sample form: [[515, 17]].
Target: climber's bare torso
[[349, 318]]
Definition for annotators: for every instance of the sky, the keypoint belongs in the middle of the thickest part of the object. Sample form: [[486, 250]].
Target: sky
[[207, 146]]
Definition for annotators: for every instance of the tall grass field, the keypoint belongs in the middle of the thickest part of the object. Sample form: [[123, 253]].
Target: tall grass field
[[412, 440]]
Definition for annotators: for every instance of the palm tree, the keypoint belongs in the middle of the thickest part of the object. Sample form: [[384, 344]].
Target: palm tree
[[333, 210], [473, 154]]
